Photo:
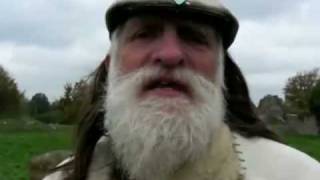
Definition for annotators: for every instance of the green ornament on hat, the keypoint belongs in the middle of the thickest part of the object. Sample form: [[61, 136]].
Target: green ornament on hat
[[180, 2]]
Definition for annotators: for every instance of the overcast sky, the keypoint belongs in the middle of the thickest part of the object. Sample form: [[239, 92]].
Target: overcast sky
[[46, 43]]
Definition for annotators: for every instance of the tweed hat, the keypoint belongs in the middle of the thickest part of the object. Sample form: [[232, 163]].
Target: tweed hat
[[211, 12]]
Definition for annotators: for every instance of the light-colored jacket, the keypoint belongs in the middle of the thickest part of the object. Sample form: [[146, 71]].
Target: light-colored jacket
[[263, 160]]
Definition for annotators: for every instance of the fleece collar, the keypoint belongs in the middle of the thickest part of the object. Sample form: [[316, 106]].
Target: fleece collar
[[220, 162]]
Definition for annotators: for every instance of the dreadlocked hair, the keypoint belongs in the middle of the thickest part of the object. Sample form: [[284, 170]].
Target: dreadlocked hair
[[240, 115]]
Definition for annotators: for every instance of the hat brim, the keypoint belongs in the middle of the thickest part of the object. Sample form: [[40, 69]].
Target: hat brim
[[219, 18]]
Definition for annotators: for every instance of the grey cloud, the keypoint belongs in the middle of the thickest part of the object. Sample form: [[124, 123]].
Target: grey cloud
[[53, 23], [43, 69], [277, 46], [45, 44], [271, 50], [267, 83], [260, 9]]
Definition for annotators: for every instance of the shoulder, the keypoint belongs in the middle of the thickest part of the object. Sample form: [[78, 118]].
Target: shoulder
[[272, 160], [60, 173], [55, 176], [100, 165]]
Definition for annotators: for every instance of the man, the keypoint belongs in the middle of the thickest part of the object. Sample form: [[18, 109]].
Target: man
[[168, 103]]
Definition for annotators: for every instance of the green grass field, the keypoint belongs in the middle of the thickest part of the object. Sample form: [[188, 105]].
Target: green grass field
[[307, 144], [16, 150], [18, 147]]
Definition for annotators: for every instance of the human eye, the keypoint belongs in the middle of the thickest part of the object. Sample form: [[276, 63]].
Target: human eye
[[146, 32], [193, 35], [142, 34]]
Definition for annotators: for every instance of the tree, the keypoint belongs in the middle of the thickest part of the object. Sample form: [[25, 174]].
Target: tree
[[298, 92], [70, 104], [10, 96], [314, 103], [39, 104]]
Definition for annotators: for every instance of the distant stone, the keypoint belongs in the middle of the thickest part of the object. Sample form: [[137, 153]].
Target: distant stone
[[271, 110], [277, 117], [41, 165], [306, 126]]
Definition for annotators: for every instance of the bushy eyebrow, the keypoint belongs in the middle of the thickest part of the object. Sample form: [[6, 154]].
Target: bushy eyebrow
[[197, 27], [155, 23], [204, 31], [156, 20], [141, 23]]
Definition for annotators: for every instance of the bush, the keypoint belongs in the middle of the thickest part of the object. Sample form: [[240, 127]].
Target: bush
[[50, 117]]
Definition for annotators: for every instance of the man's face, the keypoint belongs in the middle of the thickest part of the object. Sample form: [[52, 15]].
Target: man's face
[[172, 44], [164, 98]]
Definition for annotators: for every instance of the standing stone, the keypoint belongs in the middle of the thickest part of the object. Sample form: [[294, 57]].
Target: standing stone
[[306, 126], [41, 165], [272, 112], [279, 118]]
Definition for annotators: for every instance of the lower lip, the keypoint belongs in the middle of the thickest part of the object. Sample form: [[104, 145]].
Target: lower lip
[[166, 92]]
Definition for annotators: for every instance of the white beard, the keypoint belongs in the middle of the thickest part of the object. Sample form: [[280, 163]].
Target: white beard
[[153, 137]]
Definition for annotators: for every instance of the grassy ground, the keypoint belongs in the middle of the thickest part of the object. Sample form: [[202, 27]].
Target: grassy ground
[[23, 139], [16, 150], [307, 144]]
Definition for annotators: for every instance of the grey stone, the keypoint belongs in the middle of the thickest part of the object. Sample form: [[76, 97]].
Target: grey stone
[[307, 126], [41, 165], [271, 110], [277, 116]]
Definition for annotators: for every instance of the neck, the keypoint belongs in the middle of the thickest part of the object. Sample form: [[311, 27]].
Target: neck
[[220, 161]]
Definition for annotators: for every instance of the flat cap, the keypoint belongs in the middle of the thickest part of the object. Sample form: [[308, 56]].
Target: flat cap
[[211, 12]]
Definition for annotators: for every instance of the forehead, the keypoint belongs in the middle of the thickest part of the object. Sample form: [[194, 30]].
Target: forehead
[[164, 18]]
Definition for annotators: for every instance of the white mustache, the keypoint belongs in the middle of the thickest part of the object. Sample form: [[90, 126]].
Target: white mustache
[[139, 78]]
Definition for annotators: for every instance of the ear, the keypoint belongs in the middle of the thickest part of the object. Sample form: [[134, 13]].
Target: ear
[[106, 61]]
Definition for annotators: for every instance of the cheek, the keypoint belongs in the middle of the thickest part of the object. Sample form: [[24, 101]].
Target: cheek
[[131, 58], [206, 64]]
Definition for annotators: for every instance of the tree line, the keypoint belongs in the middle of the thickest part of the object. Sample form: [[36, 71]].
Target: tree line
[[64, 110], [302, 95], [301, 92]]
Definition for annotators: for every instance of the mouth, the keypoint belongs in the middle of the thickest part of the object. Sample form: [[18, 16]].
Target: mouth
[[166, 87]]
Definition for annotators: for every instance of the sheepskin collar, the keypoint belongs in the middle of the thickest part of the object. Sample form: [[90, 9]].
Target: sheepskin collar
[[221, 162]]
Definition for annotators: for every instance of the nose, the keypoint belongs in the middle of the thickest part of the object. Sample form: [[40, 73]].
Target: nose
[[169, 52]]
